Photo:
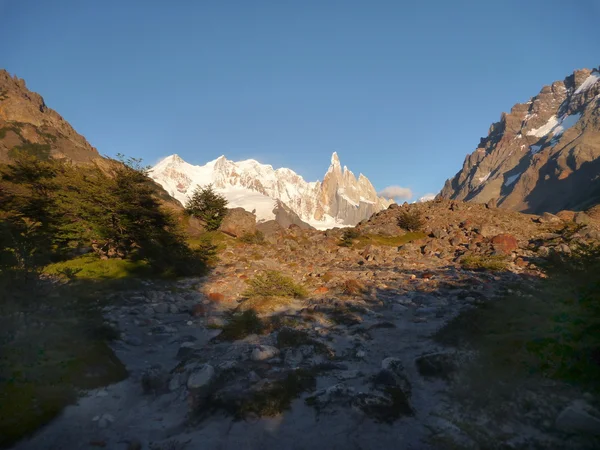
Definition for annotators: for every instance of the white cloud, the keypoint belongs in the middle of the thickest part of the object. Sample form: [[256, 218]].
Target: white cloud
[[427, 197], [396, 192]]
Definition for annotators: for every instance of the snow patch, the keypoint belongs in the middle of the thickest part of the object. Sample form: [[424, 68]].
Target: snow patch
[[510, 180], [427, 198], [534, 149], [589, 82], [484, 178], [555, 125]]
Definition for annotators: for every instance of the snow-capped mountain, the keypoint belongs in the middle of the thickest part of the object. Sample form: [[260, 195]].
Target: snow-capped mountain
[[542, 156], [340, 199]]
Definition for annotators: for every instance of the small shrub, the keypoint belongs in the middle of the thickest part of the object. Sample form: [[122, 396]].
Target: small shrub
[[241, 325], [482, 262], [257, 238], [274, 284], [354, 287], [40, 151], [208, 206], [411, 221], [278, 396], [349, 235], [288, 337]]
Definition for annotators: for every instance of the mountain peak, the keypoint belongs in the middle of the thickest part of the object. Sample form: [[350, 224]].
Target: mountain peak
[[335, 160], [338, 200]]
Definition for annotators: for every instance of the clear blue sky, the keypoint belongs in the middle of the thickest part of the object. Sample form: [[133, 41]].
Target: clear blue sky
[[401, 90]]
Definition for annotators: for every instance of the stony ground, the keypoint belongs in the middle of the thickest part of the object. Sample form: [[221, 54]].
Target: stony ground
[[350, 365]]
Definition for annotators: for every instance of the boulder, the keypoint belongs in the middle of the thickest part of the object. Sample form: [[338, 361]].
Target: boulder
[[576, 418], [582, 218], [201, 378], [238, 222], [505, 243], [264, 352], [565, 215]]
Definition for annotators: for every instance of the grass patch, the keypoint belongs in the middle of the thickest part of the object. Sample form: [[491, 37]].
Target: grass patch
[[391, 241], [49, 137], [278, 396], [256, 238], [56, 347], [90, 267], [274, 284], [265, 305], [40, 151], [241, 325], [353, 287], [484, 262], [393, 405], [552, 329], [291, 338]]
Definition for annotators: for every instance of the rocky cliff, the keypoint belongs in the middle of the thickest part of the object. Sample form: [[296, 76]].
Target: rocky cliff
[[27, 124], [543, 156], [340, 199]]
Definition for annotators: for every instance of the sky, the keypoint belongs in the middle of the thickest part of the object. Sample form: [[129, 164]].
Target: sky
[[403, 91]]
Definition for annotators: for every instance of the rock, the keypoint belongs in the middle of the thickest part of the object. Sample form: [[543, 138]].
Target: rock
[[198, 310], [395, 367], [154, 380], [264, 352], [487, 230], [594, 212], [505, 243], [582, 218], [293, 357], [550, 218], [215, 322], [543, 251], [565, 215], [186, 349], [173, 309], [492, 203], [238, 222], [564, 248], [436, 365], [576, 418], [253, 377], [201, 378], [133, 340], [439, 233], [175, 382], [216, 297], [105, 420], [161, 308]]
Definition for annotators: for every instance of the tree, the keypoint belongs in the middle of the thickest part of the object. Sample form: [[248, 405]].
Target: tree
[[208, 206]]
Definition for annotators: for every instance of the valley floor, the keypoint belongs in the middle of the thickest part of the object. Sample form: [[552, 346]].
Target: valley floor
[[357, 364]]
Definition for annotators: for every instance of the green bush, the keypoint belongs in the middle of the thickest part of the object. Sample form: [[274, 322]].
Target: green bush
[[274, 284], [207, 205], [49, 208], [241, 325], [253, 238], [411, 220], [348, 236]]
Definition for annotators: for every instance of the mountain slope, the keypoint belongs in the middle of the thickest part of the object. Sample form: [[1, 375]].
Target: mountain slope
[[542, 156], [26, 123], [340, 199]]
